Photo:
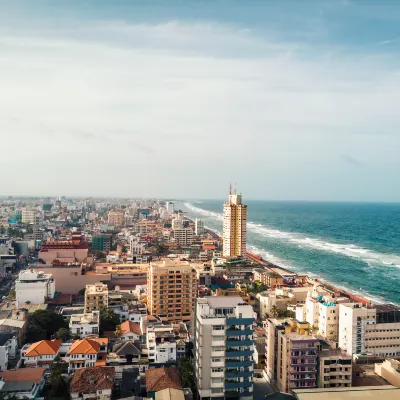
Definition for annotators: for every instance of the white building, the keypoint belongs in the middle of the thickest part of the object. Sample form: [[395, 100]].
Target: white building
[[369, 329], [329, 320], [177, 222], [34, 287], [85, 324], [234, 226], [160, 351], [170, 207], [199, 227], [224, 347], [8, 349]]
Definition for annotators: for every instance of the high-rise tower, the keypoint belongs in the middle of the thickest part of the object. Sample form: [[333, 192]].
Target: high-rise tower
[[234, 229]]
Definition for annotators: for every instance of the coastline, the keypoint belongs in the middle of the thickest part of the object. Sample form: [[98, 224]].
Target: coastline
[[328, 286]]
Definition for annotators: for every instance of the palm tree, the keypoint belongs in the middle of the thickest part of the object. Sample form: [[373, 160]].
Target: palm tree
[[274, 311]]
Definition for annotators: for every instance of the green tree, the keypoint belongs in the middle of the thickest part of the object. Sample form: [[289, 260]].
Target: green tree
[[82, 292], [43, 324], [108, 320], [11, 295], [186, 372], [59, 387], [63, 334], [274, 311], [2, 230]]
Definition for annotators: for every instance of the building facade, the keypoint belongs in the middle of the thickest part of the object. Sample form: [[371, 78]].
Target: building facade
[[224, 348], [234, 226], [172, 290], [102, 243], [34, 287], [96, 297], [85, 324], [199, 227], [116, 218]]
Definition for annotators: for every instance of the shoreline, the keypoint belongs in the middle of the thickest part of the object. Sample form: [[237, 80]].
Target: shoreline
[[328, 286]]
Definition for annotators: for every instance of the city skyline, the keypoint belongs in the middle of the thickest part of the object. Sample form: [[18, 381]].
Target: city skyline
[[294, 103]]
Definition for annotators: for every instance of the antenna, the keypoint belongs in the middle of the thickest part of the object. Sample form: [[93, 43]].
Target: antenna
[[230, 188], [234, 190]]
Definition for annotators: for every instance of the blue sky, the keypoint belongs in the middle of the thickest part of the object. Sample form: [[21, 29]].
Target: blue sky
[[290, 99]]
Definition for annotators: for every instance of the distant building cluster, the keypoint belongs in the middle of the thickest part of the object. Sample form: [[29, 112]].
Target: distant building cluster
[[151, 304]]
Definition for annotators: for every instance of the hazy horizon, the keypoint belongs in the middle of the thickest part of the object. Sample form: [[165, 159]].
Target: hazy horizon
[[292, 100]]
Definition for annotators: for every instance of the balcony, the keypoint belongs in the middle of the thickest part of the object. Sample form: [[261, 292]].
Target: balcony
[[237, 363], [238, 332], [231, 342], [231, 384], [239, 321], [238, 374], [238, 353]]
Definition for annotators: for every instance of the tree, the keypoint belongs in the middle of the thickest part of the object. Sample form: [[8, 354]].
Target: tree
[[63, 334], [186, 372], [82, 292], [59, 387], [2, 230], [108, 320], [274, 311], [43, 324], [118, 331]]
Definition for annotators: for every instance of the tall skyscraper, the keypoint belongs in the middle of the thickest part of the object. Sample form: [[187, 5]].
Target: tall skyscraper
[[234, 229]]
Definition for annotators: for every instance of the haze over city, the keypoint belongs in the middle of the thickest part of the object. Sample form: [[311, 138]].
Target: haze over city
[[292, 100]]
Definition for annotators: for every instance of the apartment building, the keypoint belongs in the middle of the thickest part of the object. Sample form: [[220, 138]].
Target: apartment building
[[166, 343], [199, 227], [269, 278], [183, 236], [224, 348], [102, 243], [30, 217], [334, 367], [96, 297], [8, 349], [234, 226], [34, 287], [172, 289], [369, 329], [85, 324], [116, 218]]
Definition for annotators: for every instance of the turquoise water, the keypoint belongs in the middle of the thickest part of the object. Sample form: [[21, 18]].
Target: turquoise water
[[353, 245]]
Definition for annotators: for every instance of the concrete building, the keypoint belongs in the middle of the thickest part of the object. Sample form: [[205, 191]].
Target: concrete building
[[86, 352], [199, 227], [116, 218], [85, 324], [329, 320], [102, 243], [8, 349], [23, 383], [269, 278], [96, 297], [34, 287], [390, 371], [183, 236], [366, 329], [334, 367], [224, 348], [234, 226], [30, 217], [172, 289], [72, 250], [166, 342]]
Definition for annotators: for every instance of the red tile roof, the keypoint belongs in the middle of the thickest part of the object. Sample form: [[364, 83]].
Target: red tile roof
[[162, 378], [89, 380], [129, 326], [23, 374], [44, 347], [88, 346]]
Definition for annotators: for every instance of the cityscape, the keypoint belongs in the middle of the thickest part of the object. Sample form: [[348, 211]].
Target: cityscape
[[136, 299]]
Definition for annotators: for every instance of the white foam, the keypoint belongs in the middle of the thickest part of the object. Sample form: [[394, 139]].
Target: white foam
[[349, 250]]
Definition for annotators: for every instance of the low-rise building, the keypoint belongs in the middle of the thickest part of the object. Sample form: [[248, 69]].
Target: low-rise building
[[93, 383], [125, 353], [40, 354], [87, 353], [85, 324], [23, 383], [334, 367], [34, 287], [130, 331], [8, 349], [96, 297], [389, 370], [158, 379]]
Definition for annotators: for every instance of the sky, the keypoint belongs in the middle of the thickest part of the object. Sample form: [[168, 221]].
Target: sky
[[292, 100]]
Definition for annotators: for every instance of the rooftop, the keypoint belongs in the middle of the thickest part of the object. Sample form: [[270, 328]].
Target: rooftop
[[44, 347], [88, 380], [162, 378], [23, 374]]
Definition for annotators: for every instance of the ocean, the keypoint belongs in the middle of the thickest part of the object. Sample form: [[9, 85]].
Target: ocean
[[355, 246]]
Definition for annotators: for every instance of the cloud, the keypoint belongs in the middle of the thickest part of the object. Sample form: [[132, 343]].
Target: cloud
[[203, 100], [389, 41], [351, 160]]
